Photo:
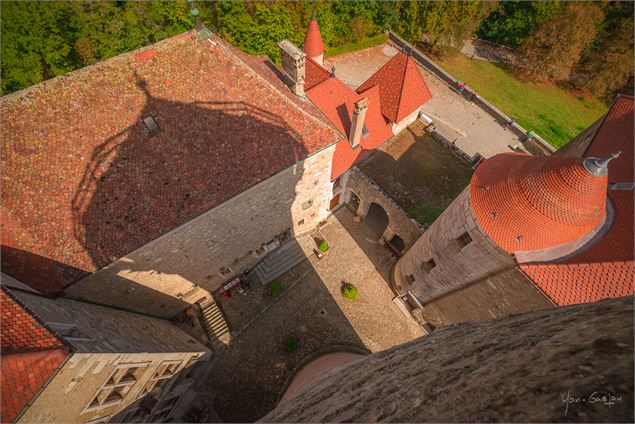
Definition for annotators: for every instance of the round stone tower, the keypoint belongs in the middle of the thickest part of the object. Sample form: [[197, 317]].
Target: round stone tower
[[313, 44], [517, 208]]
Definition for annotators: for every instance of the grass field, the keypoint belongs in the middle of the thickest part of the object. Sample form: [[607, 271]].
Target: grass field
[[364, 44], [418, 173], [551, 112]]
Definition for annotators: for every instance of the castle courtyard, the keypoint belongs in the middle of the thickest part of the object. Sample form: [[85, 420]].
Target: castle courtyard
[[252, 370]]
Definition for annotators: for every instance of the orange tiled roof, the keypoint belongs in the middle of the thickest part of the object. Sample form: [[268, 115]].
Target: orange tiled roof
[[527, 203], [30, 355], [314, 74], [606, 268], [313, 44], [336, 101], [616, 134], [84, 183], [401, 86]]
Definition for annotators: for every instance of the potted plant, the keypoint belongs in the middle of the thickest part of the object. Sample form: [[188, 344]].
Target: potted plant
[[349, 291], [273, 288]]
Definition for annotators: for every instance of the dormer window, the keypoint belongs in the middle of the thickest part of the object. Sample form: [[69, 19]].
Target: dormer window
[[151, 125]]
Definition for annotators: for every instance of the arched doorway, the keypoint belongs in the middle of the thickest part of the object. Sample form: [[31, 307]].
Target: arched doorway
[[397, 244], [377, 219]]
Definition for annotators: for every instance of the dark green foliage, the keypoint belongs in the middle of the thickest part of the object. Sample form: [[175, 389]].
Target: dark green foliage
[[290, 344], [273, 287], [513, 21], [41, 39], [349, 291]]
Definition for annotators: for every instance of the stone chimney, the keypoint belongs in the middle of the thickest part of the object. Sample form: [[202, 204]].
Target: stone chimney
[[357, 122], [293, 64]]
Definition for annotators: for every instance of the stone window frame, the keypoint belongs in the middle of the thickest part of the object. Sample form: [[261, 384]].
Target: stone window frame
[[429, 265], [225, 271], [164, 372], [464, 239], [307, 205], [117, 386]]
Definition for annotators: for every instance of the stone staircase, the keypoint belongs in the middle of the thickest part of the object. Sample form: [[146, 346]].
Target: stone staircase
[[214, 323], [282, 259]]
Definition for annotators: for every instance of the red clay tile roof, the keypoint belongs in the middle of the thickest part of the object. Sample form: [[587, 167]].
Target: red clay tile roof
[[84, 184], [336, 101], [314, 74], [616, 134], [606, 268], [30, 355], [313, 45], [527, 203], [401, 86]]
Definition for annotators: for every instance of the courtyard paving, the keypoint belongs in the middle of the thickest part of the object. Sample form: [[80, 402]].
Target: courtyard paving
[[252, 369], [457, 119]]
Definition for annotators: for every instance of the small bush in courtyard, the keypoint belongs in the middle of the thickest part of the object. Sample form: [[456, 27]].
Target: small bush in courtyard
[[290, 344], [324, 246], [273, 287], [349, 291]]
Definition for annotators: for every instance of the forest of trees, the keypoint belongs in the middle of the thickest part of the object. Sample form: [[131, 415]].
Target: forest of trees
[[584, 45]]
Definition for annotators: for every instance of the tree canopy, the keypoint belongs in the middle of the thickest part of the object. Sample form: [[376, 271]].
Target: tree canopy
[[43, 39]]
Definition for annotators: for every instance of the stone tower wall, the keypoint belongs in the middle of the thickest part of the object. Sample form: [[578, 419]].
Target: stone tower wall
[[456, 265]]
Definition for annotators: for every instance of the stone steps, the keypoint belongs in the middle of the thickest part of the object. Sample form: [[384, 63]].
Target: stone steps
[[281, 260], [214, 322]]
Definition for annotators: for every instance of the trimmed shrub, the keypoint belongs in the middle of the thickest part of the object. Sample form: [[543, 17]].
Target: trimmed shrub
[[273, 287], [324, 246], [290, 344], [349, 291]]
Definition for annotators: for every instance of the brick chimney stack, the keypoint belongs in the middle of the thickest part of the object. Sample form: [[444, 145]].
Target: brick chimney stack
[[293, 65], [357, 122]]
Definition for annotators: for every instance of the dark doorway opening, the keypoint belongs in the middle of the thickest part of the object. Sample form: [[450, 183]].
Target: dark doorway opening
[[377, 219], [397, 244], [353, 203]]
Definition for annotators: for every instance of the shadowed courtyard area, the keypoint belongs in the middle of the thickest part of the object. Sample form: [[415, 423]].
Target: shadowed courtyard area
[[252, 370], [418, 172]]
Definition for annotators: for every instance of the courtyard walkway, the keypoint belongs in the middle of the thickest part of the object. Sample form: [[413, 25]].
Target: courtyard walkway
[[458, 119], [251, 371]]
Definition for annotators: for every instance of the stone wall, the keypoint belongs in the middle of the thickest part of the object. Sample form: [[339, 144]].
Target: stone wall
[[403, 124], [399, 223], [455, 265], [506, 293], [106, 340], [469, 93], [527, 368], [177, 269]]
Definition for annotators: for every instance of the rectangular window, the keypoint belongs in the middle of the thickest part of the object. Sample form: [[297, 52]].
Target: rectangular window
[[306, 205], [117, 386], [429, 265], [225, 271], [364, 130], [161, 376], [464, 240], [410, 279], [151, 125]]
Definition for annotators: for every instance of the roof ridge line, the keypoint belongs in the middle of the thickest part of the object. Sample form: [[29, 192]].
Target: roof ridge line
[[403, 81], [252, 71]]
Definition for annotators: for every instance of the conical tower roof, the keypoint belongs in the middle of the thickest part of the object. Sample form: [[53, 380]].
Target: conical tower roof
[[313, 44], [527, 203]]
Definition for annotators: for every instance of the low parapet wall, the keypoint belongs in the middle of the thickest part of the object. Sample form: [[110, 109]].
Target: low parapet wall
[[471, 95]]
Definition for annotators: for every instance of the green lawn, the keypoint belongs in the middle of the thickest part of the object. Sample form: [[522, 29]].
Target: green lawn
[[363, 44], [551, 112]]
